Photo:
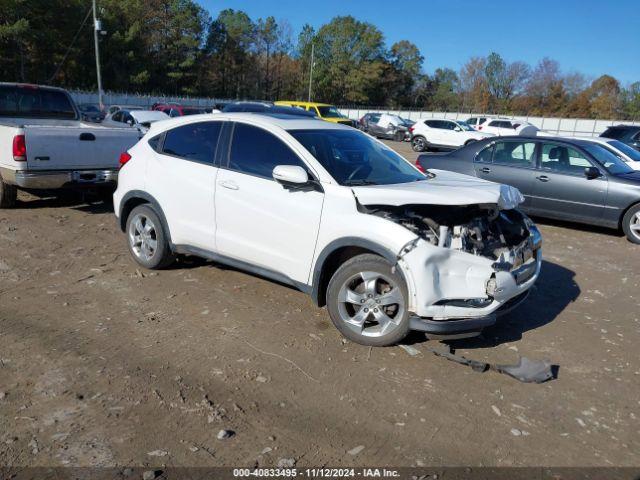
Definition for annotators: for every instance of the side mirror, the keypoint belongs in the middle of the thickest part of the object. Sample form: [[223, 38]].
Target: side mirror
[[591, 173], [457, 129], [130, 122], [290, 175]]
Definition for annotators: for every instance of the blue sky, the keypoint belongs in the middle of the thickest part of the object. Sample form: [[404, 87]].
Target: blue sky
[[588, 36]]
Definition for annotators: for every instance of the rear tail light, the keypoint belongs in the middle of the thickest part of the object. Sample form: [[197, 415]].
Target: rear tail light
[[420, 167], [479, 127], [124, 158], [19, 149], [411, 129]]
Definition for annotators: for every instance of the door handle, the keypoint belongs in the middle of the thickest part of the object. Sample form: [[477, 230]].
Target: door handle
[[485, 170], [229, 185], [543, 178], [87, 137]]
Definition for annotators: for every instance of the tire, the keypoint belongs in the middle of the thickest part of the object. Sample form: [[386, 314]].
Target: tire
[[631, 224], [367, 301], [147, 240], [8, 194], [419, 143]]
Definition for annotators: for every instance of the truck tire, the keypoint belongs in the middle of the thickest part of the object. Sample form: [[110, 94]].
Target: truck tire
[[367, 301], [8, 194], [631, 224], [147, 239]]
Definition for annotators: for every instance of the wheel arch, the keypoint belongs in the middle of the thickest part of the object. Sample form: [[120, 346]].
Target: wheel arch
[[624, 212], [335, 254], [136, 198]]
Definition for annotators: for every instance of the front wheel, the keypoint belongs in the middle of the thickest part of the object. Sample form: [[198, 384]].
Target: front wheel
[[147, 239], [419, 143], [367, 301], [631, 224]]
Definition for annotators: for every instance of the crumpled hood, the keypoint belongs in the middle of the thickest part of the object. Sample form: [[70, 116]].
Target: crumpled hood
[[447, 188]]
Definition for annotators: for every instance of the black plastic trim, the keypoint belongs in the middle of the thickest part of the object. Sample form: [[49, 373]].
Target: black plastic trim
[[138, 194], [340, 243]]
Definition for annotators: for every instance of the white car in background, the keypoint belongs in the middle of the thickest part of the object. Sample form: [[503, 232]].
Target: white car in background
[[140, 119], [475, 122], [335, 213], [506, 126], [442, 133]]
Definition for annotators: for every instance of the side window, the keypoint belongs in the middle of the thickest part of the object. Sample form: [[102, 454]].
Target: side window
[[448, 125], [561, 159], [128, 119], [154, 142], [117, 117], [495, 124], [432, 123], [517, 154], [485, 154], [195, 141], [255, 151]]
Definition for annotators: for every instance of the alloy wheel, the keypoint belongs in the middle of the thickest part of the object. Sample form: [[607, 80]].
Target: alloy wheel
[[143, 237], [634, 225], [371, 304]]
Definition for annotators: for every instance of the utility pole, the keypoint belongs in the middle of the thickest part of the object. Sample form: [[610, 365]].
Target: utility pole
[[310, 73], [96, 31]]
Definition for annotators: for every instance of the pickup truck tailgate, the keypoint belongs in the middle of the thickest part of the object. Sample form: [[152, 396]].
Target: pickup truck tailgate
[[76, 148]]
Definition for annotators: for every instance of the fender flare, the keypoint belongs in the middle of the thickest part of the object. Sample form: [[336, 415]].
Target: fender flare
[[330, 248], [139, 194]]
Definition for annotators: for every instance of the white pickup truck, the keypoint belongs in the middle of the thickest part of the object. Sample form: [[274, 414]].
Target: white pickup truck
[[45, 145]]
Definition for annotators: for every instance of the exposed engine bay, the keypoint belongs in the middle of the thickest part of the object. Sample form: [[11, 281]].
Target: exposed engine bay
[[484, 230]]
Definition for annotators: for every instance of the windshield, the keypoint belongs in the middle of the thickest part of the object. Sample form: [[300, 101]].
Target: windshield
[[330, 112], [353, 158], [465, 126], [35, 102], [612, 163], [630, 152]]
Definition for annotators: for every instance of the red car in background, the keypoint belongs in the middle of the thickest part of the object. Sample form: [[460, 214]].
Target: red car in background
[[177, 110]]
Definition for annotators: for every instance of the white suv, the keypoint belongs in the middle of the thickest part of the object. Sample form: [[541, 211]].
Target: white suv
[[333, 212], [505, 126], [442, 134]]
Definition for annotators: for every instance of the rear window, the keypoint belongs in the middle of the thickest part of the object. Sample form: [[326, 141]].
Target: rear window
[[35, 102]]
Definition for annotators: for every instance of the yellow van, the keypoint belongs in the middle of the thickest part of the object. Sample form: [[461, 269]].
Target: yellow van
[[325, 111]]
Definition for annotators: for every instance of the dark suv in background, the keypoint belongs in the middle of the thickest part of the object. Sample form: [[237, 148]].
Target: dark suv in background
[[629, 134]]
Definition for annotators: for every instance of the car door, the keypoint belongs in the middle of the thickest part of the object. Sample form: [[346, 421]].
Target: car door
[[260, 221], [511, 162], [182, 179], [434, 133], [449, 136], [561, 189]]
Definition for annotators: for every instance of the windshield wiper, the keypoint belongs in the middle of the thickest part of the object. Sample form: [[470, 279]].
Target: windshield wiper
[[359, 183]]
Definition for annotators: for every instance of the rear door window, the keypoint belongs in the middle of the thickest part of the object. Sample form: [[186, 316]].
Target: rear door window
[[196, 141], [485, 154], [514, 153], [257, 152]]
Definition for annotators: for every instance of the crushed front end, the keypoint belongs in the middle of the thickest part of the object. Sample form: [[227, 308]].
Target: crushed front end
[[467, 264]]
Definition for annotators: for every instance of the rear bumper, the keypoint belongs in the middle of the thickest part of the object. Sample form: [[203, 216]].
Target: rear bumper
[[51, 179]]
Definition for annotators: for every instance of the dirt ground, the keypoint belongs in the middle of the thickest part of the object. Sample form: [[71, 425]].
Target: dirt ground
[[105, 364]]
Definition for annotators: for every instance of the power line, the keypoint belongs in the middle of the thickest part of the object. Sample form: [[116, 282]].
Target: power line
[[71, 45]]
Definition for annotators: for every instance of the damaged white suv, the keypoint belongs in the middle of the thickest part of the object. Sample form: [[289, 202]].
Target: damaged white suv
[[335, 213]]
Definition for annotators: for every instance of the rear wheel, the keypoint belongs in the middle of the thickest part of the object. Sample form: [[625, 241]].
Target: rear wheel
[[8, 194], [367, 301], [631, 224], [419, 143], [147, 239]]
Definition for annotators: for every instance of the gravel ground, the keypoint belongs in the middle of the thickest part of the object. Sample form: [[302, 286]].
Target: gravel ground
[[105, 364]]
